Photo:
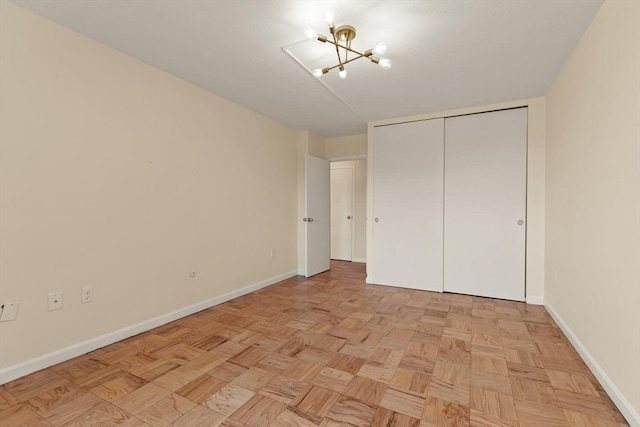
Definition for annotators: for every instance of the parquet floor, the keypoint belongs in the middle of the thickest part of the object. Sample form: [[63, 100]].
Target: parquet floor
[[329, 351]]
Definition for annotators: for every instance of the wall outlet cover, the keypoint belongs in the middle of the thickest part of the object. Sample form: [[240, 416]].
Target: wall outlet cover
[[9, 311], [87, 294]]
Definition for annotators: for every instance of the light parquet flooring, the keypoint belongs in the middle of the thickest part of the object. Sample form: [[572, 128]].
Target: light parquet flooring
[[326, 351]]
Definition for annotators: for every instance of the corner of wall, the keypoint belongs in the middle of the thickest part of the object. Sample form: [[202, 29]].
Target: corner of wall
[[536, 145]]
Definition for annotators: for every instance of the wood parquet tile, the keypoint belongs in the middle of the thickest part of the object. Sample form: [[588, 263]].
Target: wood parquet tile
[[326, 351]]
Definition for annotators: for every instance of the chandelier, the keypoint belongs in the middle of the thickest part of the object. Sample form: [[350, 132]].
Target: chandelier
[[341, 38]]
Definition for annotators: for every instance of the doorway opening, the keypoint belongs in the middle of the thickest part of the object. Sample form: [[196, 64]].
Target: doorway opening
[[348, 195]]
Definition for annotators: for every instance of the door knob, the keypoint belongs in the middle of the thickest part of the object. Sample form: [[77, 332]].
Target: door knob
[[376, 220], [520, 222], [310, 219], [348, 216], [307, 219]]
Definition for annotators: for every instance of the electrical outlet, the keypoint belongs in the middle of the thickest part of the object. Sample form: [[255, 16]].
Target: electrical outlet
[[87, 294], [9, 311], [55, 300]]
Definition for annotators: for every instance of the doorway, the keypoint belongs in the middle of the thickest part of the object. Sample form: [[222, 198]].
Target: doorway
[[342, 205], [348, 209]]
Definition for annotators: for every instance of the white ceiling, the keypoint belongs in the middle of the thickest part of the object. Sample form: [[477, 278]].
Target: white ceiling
[[446, 53]]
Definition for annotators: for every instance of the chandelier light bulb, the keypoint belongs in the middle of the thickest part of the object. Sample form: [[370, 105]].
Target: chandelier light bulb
[[329, 15], [380, 49], [385, 64], [310, 33], [317, 72], [342, 73]]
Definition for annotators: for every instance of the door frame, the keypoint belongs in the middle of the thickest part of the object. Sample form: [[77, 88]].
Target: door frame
[[353, 201], [367, 196]]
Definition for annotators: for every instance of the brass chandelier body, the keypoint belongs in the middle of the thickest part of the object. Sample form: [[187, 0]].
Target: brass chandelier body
[[341, 38]]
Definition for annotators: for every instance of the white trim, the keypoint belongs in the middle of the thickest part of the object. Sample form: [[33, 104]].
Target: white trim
[[616, 396], [300, 273], [357, 259], [451, 113], [535, 300], [348, 158], [21, 369]]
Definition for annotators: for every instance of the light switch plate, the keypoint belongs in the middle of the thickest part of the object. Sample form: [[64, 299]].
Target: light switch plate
[[55, 300]]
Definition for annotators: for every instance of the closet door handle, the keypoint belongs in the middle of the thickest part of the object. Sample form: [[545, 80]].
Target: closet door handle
[[348, 216]]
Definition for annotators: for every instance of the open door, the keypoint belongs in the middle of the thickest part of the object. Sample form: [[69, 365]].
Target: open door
[[317, 215]]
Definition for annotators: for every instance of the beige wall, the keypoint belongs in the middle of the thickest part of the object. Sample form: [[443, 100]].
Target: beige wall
[[121, 177], [346, 147], [535, 184], [315, 144], [593, 197], [360, 206]]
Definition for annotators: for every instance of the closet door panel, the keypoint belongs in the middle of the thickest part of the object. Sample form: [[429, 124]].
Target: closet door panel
[[485, 204], [408, 204]]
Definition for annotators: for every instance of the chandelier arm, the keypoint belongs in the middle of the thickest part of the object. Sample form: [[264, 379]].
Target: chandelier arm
[[338, 45], [342, 63], [335, 43]]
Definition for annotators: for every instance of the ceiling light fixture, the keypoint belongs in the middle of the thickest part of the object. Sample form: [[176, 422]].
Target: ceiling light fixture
[[342, 37]]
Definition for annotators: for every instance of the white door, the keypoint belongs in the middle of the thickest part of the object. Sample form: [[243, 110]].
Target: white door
[[317, 217], [342, 213], [407, 205], [485, 204]]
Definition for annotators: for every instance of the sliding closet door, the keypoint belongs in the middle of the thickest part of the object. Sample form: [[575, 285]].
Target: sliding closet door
[[407, 205], [485, 204]]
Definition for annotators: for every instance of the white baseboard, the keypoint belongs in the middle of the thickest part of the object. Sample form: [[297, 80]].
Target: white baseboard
[[618, 398], [362, 260], [535, 300], [25, 368]]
